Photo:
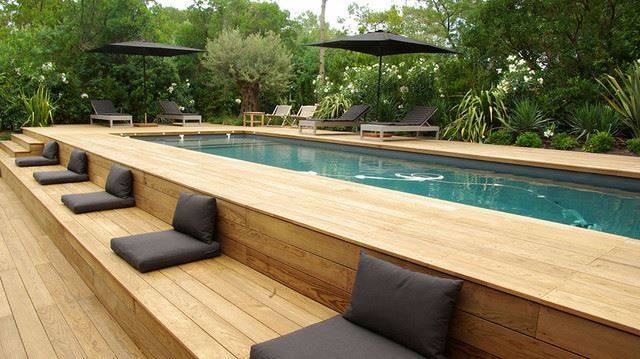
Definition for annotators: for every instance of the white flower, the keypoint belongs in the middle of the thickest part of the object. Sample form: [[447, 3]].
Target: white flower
[[531, 72], [511, 58], [17, 71], [188, 84], [192, 101], [173, 84], [436, 68], [47, 66], [442, 95], [499, 71], [41, 78], [400, 106], [181, 108], [404, 89], [548, 133], [540, 80], [399, 77], [238, 101], [526, 78], [512, 68], [84, 95], [170, 89], [63, 77]]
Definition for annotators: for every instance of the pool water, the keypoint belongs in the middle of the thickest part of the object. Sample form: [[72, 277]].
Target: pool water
[[488, 185]]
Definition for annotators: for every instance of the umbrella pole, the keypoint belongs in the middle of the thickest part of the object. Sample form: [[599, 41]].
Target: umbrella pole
[[378, 92], [144, 75]]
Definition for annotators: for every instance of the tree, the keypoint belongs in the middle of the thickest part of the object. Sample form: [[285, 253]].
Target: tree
[[255, 63], [323, 26]]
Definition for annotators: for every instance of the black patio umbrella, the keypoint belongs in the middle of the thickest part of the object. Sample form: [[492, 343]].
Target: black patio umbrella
[[144, 49], [382, 43]]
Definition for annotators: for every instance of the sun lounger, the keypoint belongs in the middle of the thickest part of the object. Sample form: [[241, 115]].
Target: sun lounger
[[49, 157], [171, 111], [408, 319], [282, 112], [351, 118], [192, 237], [77, 171], [118, 194], [416, 120], [304, 113], [104, 110]]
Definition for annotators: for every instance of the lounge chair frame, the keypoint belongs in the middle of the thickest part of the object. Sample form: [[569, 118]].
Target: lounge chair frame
[[104, 110], [411, 125], [172, 112], [281, 111], [351, 118]]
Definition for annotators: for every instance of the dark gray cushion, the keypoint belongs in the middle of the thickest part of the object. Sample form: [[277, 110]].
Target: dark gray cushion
[[95, 201], [334, 338], [119, 182], [195, 215], [151, 251], [36, 161], [413, 309], [78, 162], [57, 177], [50, 150]]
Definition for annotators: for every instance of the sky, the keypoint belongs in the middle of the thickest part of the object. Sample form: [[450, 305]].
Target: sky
[[336, 9]]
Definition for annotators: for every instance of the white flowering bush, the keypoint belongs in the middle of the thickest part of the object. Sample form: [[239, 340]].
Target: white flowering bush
[[518, 77]]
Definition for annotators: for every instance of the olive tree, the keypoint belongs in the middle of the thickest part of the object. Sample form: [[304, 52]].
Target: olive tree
[[255, 63]]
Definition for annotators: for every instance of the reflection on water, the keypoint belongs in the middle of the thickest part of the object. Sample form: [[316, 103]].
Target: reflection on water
[[603, 210]]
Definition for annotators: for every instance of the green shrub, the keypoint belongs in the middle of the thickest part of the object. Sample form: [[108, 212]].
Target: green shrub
[[591, 118], [475, 115], [501, 137], [526, 116], [633, 145], [624, 95], [529, 139], [5, 136], [39, 108], [332, 106], [563, 141], [600, 142]]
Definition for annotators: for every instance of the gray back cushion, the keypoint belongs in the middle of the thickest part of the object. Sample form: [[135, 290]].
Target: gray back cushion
[[195, 215], [50, 150], [78, 162], [119, 182], [412, 309]]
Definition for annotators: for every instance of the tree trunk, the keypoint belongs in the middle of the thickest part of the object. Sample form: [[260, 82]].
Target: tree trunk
[[250, 95], [323, 29]]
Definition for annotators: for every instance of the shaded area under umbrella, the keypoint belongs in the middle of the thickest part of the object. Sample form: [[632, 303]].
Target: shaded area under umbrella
[[382, 43], [144, 49]]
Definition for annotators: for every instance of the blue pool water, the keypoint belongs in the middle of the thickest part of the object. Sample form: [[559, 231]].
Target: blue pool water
[[590, 201]]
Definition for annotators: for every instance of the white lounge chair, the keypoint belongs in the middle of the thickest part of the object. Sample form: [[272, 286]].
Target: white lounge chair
[[416, 120], [171, 111], [104, 110], [282, 112], [304, 113]]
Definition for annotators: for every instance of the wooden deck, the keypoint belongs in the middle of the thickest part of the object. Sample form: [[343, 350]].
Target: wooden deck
[[532, 288]]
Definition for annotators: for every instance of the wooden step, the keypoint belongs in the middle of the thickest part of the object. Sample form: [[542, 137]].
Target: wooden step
[[33, 145], [14, 149]]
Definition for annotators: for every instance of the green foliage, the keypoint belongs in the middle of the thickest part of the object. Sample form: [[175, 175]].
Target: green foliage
[[563, 141], [333, 106], [624, 95], [502, 136], [633, 145], [591, 118], [476, 114], [255, 63], [600, 142], [526, 116], [39, 108], [529, 139]]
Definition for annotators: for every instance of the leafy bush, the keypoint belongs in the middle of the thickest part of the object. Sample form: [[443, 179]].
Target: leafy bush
[[39, 108], [563, 141], [476, 114], [624, 96], [591, 118], [633, 145], [529, 139], [600, 142], [501, 137], [333, 106], [526, 116]]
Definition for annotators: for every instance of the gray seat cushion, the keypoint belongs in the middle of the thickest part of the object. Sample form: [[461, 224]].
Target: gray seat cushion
[[57, 177], [413, 309], [151, 251], [195, 215], [50, 150], [36, 161], [119, 182], [334, 338], [78, 162], [95, 201]]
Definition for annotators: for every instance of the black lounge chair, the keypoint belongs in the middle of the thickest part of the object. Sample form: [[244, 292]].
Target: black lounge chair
[[351, 118], [77, 171], [416, 120], [106, 111], [191, 239], [49, 157], [171, 111], [408, 319], [118, 194]]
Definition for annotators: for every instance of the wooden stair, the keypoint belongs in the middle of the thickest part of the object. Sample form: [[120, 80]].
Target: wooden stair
[[21, 146]]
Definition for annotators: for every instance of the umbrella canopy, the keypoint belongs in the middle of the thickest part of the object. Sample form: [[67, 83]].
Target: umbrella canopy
[[144, 49], [382, 43]]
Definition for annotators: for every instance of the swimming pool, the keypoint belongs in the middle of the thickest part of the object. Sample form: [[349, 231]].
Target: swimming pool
[[603, 203]]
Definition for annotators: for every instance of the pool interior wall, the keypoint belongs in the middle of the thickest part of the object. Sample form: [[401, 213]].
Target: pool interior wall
[[264, 149]]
